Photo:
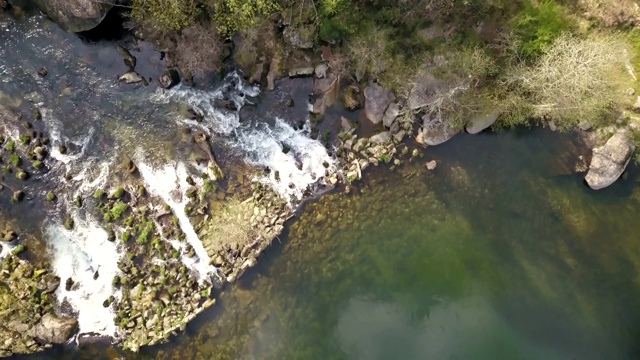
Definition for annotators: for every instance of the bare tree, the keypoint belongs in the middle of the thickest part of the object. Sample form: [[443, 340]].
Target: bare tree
[[575, 80]]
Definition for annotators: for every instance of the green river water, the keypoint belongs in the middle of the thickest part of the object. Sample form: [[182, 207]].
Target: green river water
[[492, 255]]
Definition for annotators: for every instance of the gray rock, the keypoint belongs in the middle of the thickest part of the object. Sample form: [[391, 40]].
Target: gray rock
[[480, 123], [609, 161], [54, 330], [301, 71], [321, 70], [131, 77], [302, 37], [584, 125], [380, 138], [377, 99], [169, 79], [391, 114], [75, 15], [436, 131]]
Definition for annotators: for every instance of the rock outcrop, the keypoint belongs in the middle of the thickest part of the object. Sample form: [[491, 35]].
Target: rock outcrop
[[75, 15], [377, 100], [610, 160]]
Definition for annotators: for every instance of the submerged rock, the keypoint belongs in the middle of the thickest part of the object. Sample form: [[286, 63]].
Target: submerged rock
[[75, 15], [377, 100], [436, 130], [609, 161]]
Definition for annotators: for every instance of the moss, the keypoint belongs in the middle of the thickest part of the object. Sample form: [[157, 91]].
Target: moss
[[15, 160], [141, 191], [118, 193], [18, 249], [22, 175], [51, 196], [10, 146], [17, 196], [106, 217], [37, 164], [125, 236], [128, 222], [538, 25], [78, 201], [25, 139], [118, 209], [145, 234], [68, 223], [98, 194]]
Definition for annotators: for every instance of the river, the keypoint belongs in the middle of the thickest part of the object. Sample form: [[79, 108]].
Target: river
[[492, 255]]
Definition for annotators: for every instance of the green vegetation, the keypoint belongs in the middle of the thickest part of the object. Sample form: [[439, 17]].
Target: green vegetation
[[237, 15], [98, 194], [118, 209], [537, 26], [14, 159], [10, 146], [145, 234], [164, 14], [51, 196]]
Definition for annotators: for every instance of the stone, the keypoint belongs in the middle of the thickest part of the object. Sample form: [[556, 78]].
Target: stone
[[321, 70], [302, 37], [346, 124], [390, 114], [377, 100], [53, 329], [131, 77], [380, 138], [610, 160], [42, 72], [552, 126], [431, 165], [75, 15], [4, 5], [301, 71], [169, 79], [584, 125], [480, 123], [436, 131], [636, 105]]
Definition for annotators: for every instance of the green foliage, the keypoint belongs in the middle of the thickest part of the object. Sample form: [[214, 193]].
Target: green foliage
[[333, 7], [537, 26], [118, 209], [25, 139], [14, 160], [164, 14], [238, 15], [145, 234], [10, 146], [98, 194]]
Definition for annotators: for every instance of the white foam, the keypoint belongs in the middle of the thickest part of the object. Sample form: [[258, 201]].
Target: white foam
[[220, 121], [306, 163], [58, 139], [169, 182], [5, 251], [78, 254], [303, 166]]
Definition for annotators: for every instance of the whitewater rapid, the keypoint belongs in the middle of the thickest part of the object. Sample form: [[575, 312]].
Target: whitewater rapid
[[86, 256]]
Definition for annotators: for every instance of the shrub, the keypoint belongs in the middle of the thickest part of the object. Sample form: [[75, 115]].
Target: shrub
[[537, 26], [164, 14], [199, 49], [574, 80], [235, 15]]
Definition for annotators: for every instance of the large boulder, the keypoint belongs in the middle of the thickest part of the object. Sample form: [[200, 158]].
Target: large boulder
[[436, 130], [480, 123], [377, 100], [75, 15], [53, 330], [610, 160]]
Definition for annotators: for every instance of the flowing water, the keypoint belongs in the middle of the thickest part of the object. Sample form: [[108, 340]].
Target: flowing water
[[493, 255]]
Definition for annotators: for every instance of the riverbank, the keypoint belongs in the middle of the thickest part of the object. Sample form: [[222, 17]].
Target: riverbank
[[178, 230]]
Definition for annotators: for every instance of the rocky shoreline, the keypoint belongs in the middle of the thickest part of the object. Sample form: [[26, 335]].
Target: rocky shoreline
[[158, 294]]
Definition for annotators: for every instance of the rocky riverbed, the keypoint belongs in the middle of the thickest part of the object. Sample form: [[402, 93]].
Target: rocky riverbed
[[161, 226]]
